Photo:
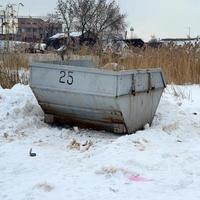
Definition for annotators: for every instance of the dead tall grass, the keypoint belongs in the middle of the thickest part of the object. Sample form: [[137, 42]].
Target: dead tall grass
[[180, 64], [10, 66]]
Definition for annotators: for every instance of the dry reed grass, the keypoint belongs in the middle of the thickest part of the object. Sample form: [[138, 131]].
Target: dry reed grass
[[10, 65], [180, 64]]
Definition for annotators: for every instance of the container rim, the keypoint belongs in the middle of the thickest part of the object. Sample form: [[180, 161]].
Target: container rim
[[92, 70]]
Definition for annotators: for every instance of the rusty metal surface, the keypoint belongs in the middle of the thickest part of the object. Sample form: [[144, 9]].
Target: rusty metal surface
[[88, 123], [86, 114]]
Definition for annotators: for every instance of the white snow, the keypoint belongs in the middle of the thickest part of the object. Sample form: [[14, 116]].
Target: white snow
[[75, 34], [12, 44], [57, 36], [62, 48], [40, 46], [182, 42], [159, 163], [62, 35]]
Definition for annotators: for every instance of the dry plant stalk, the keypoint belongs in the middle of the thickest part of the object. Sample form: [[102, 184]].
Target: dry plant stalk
[[10, 64]]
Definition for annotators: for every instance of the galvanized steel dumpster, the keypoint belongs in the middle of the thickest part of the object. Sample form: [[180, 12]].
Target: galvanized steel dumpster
[[120, 102]]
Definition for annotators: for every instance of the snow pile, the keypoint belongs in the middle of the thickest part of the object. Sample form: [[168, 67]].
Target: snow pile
[[19, 110], [161, 162]]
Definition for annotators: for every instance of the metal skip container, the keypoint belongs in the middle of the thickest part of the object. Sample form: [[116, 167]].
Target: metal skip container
[[117, 101]]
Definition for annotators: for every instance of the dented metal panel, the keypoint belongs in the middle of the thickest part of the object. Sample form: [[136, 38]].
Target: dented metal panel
[[121, 101]]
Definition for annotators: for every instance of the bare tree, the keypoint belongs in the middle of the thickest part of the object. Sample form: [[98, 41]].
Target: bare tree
[[96, 16], [65, 8], [84, 10], [52, 19], [99, 16]]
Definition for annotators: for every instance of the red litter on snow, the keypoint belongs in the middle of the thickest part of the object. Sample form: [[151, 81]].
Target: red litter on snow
[[138, 179]]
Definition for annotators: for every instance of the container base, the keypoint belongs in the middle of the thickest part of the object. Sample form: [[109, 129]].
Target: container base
[[83, 123]]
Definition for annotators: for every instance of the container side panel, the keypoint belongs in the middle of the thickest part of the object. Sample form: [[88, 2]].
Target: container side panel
[[139, 82], [74, 81], [157, 80], [79, 106], [140, 109], [75, 99]]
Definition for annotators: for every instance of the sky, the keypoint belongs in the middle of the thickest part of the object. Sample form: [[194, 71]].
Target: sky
[[160, 18]]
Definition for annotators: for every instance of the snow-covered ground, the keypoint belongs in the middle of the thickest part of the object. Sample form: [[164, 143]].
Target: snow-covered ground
[[160, 163]]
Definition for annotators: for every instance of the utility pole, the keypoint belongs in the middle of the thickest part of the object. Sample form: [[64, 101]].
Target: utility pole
[[17, 28], [1, 17], [2, 25], [6, 24]]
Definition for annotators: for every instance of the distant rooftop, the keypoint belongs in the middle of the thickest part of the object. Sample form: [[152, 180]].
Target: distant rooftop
[[180, 39], [36, 17]]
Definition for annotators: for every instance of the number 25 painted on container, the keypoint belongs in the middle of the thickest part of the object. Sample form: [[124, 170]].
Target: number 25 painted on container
[[69, 76]]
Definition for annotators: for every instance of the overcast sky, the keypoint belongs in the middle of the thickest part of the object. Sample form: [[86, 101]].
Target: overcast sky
[[162, 18]]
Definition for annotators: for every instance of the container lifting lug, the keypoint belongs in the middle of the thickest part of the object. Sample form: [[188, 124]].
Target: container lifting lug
[[151, 87], [133, 85]]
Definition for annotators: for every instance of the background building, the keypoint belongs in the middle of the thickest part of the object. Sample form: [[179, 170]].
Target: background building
[[32, 29], [27, 29]]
